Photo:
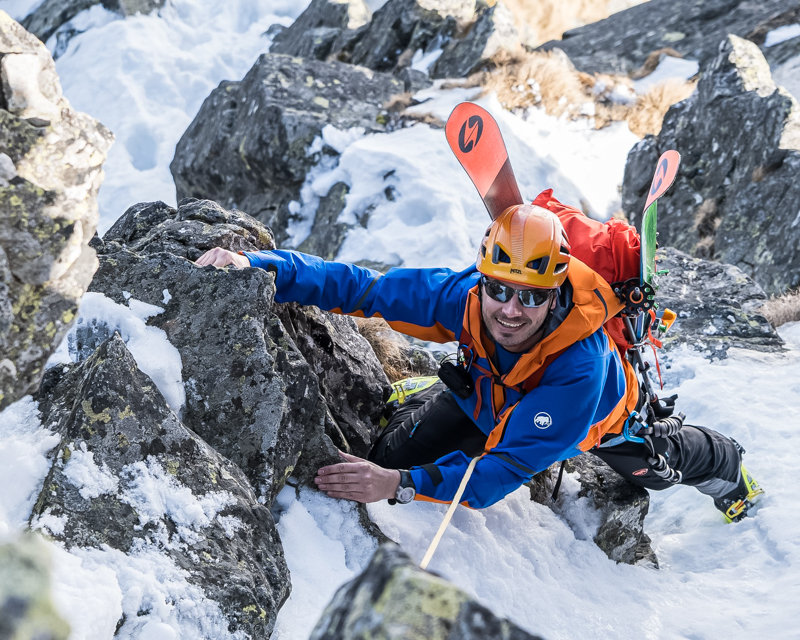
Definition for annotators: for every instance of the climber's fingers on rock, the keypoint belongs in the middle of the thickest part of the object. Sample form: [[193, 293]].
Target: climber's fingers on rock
[[217, 257]]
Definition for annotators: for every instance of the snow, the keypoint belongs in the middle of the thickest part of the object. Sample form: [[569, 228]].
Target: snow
[[24, 443], [782, 34], [412, 204], [312, 528], [787, 76], [154, 493], [93, 588], [146, 76], [90, 480], [668, 68], [424, 61], [741, 578], [18, 9], [149, 346]]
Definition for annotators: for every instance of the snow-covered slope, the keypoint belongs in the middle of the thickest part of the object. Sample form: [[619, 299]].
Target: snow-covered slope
[[145, 78], [523, 561]]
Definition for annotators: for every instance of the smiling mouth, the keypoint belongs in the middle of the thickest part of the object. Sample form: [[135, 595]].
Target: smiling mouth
[[509, 325]]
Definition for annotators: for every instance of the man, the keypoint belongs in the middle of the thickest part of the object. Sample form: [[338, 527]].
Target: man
[[539, 379]]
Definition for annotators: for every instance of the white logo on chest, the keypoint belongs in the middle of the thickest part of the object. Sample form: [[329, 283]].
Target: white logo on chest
[[542, 420]]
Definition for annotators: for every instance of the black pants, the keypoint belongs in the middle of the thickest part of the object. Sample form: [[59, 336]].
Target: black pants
[[430, 425]]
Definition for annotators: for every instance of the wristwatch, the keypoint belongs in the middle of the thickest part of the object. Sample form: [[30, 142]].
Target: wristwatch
[[405, 490]]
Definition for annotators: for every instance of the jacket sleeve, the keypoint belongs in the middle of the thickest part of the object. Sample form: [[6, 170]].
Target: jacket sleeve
[[427, 303], [580, 388]]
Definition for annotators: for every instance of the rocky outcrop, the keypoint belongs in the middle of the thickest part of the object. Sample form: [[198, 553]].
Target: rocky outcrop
[[493, 32], [622, 42], [45, 20], [260, 404], [621, 507], [250, 146], [316, 30], [718, 306], [735, 196], [26, 609], [129, 476], [465, 33], [393, 598], [351, 378], [50, 170]]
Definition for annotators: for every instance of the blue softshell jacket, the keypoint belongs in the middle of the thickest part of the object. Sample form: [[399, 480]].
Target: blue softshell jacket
[[579, 388]]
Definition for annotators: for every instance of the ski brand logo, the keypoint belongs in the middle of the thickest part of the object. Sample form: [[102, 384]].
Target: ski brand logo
[[640, 472], [468, 138], [542, 420], [658, 179]]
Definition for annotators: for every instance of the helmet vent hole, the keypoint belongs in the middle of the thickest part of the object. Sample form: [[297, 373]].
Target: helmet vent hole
[[561, 267], [539, 265], [564, 250], [498, 255], [483, 250]]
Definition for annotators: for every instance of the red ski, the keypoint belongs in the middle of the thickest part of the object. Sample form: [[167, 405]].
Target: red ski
[[476, 141]]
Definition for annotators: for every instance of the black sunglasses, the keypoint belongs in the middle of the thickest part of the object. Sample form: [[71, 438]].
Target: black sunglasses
[[529, 298]]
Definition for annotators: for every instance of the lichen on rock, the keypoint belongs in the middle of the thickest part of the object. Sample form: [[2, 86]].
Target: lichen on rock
[[51, 171]]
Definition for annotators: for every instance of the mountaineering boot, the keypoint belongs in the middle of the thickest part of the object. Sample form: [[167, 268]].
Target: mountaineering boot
[[736, 504]]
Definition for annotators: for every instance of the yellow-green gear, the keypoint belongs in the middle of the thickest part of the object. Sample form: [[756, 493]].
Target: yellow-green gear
[[738, 509], [403, 389]]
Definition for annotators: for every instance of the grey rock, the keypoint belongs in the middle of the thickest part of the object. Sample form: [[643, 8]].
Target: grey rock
[[401, 27], [717, 306], [351, 378], [393, 598], [622, 507], [26, 609], [116, 422], [45, 20], [694, 28], [735, 196], [421, 361], [493, 32], [327, 233], [48, 209], [248, 146], [314, 32], [188, 231], [413, 80], [291, 374], [249, 392]]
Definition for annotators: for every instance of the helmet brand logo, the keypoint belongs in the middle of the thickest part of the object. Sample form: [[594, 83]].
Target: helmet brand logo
[[517, 271], [542, 420], [468, 138]]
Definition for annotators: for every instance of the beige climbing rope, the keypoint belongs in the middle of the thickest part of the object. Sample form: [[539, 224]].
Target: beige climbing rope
[[449, 515]]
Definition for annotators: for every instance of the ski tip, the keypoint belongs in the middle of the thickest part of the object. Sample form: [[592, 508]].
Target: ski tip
[[476, 141], [666, 171]]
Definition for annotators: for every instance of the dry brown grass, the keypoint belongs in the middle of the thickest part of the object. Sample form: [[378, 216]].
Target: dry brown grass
[[782, 309], [543, 20], [387, 345], [648, 114], [545, 79], [549, 80]]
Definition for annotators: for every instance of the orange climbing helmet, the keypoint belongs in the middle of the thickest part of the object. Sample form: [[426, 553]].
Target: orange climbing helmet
[[527, 245]]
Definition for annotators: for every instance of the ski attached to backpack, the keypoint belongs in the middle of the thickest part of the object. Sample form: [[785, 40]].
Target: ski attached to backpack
[[638, 294], [477, 143]]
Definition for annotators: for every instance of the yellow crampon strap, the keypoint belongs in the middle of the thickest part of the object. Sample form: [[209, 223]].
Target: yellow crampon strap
[[449, 515]]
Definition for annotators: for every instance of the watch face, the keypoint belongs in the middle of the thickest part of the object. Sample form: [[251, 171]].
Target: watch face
[[405, 495]]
